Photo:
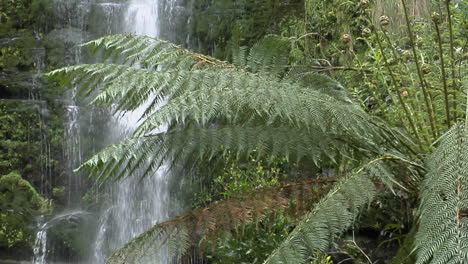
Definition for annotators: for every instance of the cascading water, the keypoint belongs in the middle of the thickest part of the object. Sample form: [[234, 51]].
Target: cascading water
[[137, 204], [40, 246], [80, 21], [134, 205]]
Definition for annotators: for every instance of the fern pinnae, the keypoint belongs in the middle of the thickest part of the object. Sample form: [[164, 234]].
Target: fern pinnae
[[335, 213], [443, 228]]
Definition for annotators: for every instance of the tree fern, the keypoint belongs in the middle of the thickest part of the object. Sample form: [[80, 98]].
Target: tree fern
[[214, 94], [212, 108], [333, 215], [443, 228], [223, 216]]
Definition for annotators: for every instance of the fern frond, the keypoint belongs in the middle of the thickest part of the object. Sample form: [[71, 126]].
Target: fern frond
[[204, 96], [148, 52], [239, 100], [333, 215], [222, 216], [269, 56], [443, 218], [168, 241], [201, 144]]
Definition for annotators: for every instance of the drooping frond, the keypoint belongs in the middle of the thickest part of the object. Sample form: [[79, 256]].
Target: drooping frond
[[443, 219], [224, 216], [333, 215], [269, 56], [148, 52], [167, 241], [216, 93], [212, 97], [197, 144]]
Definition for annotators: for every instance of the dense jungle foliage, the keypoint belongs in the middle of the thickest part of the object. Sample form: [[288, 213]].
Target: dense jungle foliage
[[31, 127], [314, 131], [301, 169]]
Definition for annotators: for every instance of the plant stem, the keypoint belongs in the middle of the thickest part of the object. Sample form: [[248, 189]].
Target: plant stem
[[398, 91], [444, 80], [429, 107], [431, 99], [418, 69], [452, 58]]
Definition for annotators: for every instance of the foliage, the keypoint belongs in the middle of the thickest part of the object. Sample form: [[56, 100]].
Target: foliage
[[237, 178], [251, 243], [293, 127], [203, 225], [21, 127], [307, 113], [218, 23], [18, 194], [24, 14], [258, 107], [443, 232], [16, 54], [18, 199], [388, 61]]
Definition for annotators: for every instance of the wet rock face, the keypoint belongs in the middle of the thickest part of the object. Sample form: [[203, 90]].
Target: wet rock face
[[53, 134]]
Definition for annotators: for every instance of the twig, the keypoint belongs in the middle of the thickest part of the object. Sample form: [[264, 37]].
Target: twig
[[332, 68], [362, 251]]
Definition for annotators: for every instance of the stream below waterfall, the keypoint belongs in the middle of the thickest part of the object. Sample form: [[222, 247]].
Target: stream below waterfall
[[131, 206]]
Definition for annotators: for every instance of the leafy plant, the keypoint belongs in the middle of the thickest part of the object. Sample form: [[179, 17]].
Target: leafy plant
[[215, 109], [18, 200]]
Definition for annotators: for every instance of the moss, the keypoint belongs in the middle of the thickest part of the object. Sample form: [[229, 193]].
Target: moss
[[18, 200], [14, 230], [17, 194], [58, 192]]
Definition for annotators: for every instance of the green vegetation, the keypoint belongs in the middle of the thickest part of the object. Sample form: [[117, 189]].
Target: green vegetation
[[24, 14], [18, 200], [404, 99], [31, 126], [317, 130]]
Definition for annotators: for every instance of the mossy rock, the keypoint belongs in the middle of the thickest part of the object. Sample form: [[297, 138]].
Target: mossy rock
[[18, 200], [17, 194]]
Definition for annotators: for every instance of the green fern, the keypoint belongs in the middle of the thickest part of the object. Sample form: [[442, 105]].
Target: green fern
[[201, 144], [167, 242], [198, 97], [268, 56], [334, 214], [443, 228], [223, 216], [213, 108]]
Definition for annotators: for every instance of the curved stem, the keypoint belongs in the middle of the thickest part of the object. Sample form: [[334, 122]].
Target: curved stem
[[452, 58], [418, 69], [429, 107], [444, 80], [398, 91]]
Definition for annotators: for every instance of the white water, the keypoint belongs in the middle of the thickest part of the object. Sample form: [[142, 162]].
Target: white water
[[40, 245], [138, 204], [135, 204]]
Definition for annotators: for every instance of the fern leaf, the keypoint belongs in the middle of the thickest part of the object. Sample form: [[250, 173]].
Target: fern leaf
[[269, 56], [333, 215], [443, 218], [223, 216], [206, 95], [148, 52], [200, 144]]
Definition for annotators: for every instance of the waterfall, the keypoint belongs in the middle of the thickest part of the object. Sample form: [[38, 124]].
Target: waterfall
[[137, 204], [142, 17], [133, 205], [40, 249]]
